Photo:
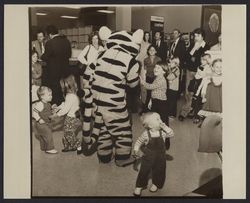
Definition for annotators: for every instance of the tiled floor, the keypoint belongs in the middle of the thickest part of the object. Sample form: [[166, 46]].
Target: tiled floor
[[67, 174]]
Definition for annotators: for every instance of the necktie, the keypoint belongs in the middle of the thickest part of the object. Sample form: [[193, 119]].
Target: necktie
[[158, 44], [42, 48], [172, 51]]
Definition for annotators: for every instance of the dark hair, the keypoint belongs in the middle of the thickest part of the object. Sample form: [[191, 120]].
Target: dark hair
[[205, 54], [95, 33], [51, 29], [179, 32], [150, 48], [34, 52], [200, 32], [40, 31], [146, 32]]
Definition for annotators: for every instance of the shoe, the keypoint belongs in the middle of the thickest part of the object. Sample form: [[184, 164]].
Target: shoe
[[153, 188], [68, 150], [52, 151], [79, 151], [169, 157], [181, 118], [137, 192]]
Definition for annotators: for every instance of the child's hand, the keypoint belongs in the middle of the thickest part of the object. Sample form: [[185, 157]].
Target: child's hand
[[54, 115], [193, 59], [53, 106], [136, 152], [41, 121], [162, 125], [142, 81], [150, 104]]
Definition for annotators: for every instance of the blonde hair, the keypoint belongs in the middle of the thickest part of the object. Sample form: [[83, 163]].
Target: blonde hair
[[147, 117], [42, 90], [68, 85]]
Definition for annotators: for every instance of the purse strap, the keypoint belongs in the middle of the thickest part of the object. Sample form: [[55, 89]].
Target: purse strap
[[87, 53]]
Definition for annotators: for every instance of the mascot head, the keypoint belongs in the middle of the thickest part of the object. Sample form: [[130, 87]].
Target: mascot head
[[122, 40]]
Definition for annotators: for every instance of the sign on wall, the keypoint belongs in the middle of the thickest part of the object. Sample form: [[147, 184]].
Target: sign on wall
[[211, 23]]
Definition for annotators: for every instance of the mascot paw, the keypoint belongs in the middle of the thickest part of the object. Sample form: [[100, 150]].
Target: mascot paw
[[90, 148], [80, 93]]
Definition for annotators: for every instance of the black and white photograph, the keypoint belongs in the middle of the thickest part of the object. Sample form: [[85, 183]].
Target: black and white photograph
[[127, 100]]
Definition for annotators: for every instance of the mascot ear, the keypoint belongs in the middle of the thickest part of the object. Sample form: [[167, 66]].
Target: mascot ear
[[104, 33], [137, 36]]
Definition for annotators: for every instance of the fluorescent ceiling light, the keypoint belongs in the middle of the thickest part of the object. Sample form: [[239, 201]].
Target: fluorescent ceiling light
[[74, 7], [105, 11], [71, 17], [41, 14]]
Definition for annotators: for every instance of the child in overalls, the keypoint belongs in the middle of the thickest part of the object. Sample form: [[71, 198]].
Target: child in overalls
[[152, 144]]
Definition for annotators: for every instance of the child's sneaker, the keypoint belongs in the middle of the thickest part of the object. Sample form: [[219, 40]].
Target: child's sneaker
[[137, 192], [52, 151], [153, 188]]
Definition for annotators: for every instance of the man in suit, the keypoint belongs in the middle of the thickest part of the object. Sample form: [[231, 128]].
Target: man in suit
[[56, 55], [161, 46], [39, 44], [177, 49]]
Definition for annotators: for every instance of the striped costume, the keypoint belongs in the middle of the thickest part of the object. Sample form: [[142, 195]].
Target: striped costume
[[114, 70]]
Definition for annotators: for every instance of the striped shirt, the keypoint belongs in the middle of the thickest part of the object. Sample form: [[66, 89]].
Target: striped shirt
[[158, 87], [144, 138]]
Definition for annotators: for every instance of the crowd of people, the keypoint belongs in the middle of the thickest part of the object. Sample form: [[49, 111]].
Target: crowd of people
[[185, 68]]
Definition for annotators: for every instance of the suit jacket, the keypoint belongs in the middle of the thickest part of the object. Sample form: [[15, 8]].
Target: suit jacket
[[179, 51], [36, 44], [56, 55], [193, 65], [162, 50]]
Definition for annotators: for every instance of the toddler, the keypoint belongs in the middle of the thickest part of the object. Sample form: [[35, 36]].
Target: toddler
[[42, 113], [151, 143], [36, 69], [203, 71]]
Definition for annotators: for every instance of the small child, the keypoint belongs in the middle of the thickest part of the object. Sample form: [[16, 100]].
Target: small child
[[212, 91], [42, 112], [158, 94], [70, 108], [173, 86], [36, 72], [36, 69], [149, 66], [203, 71], [151, 143]]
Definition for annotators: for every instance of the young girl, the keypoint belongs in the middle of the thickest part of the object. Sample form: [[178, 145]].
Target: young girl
[[149, 65], [70, 108], [173, 86], [36, 69], [151, 143], [42, 112], [213, 92]]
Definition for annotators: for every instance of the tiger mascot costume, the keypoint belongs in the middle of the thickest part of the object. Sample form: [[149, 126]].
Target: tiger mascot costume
[[115, 69]]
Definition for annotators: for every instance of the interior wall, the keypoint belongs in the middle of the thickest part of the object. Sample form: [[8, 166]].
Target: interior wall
[[185, 18]]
